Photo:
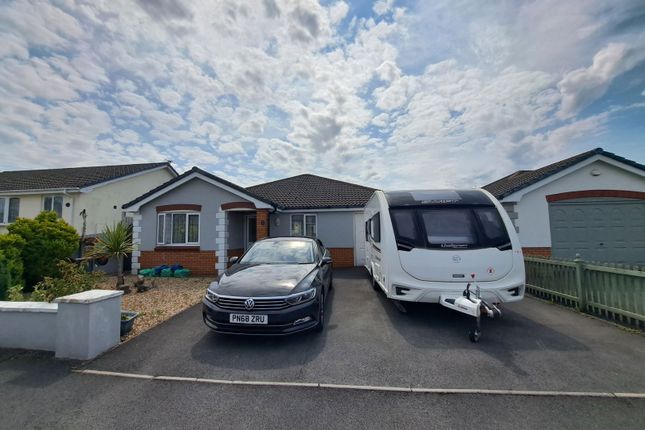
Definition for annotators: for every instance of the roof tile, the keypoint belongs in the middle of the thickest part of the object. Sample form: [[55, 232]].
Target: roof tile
[[523, 178], [72, 177], [313, 192]]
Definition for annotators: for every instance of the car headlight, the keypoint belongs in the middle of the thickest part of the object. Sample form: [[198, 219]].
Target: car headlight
[[211, 296], [305, 296]]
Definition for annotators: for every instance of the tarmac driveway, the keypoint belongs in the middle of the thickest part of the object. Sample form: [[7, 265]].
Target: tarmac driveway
[[367, 341]]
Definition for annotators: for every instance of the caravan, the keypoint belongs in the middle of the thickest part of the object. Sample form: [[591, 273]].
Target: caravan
[[434, 246]]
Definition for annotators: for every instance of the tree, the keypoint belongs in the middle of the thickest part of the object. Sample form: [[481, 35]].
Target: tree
[[47, 240], [114, 242]]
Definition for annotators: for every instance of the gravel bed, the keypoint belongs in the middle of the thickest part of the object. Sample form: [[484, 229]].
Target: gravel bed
[[169, 297]]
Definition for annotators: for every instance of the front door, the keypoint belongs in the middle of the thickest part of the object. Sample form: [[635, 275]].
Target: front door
[[250, 232]]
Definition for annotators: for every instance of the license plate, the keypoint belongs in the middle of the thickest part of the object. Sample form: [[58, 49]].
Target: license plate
[[248, 319]]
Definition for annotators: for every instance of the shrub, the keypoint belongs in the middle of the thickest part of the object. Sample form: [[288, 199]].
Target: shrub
[[5, 277], [15, 294], [11, 246], [114, 242], [47, 240], [73, 279]]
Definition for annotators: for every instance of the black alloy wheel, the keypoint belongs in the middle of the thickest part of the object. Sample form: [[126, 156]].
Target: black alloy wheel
[[321, 314]]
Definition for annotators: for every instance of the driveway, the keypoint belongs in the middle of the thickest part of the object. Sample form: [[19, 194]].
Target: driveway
[[367, 341], [536, 346]]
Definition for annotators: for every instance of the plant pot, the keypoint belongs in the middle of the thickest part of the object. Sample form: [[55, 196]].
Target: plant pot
[[127, 321]]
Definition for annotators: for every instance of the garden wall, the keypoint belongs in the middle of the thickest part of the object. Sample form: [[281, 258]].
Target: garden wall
[[28, 325], [79, 326]]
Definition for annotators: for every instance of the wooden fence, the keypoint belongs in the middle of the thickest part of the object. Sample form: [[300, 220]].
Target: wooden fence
[[612, 291]]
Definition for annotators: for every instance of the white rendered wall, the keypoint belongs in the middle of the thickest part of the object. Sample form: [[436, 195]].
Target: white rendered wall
[[533, 209], [100, 203], [79, 326], [32, 204], [28, 325]]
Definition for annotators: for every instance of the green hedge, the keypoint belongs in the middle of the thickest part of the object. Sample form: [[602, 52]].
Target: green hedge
[[5, 277], [11, 246]]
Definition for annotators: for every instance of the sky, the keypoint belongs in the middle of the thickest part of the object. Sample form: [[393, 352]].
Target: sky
[[390, 94]]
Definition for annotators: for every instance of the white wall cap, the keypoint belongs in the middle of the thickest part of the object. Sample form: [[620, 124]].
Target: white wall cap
[[28, 307], [91, 296]]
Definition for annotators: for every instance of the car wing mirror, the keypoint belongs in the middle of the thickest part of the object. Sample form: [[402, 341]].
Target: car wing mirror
[[326, 260], [233, 260]]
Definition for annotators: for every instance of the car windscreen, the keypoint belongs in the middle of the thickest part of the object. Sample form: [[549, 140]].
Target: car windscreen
[[280, 252], [449, 227]]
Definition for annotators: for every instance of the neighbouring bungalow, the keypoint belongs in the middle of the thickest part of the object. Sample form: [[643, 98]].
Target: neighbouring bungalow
[[96, 192], [592, 204], [200, 221]]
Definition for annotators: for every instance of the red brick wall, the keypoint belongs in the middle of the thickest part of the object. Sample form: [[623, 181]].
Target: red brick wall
[[570, 195], [342, 257], [262, 223], [537, 251], [236, 252], [201, 263]]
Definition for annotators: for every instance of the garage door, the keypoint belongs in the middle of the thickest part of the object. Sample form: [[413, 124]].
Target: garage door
[[607, 231]]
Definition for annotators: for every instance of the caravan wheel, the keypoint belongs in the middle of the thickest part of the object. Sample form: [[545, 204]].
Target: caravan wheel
[[375, 285]]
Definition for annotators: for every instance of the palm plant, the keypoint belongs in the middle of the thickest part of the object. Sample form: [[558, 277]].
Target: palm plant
[[113, 242]]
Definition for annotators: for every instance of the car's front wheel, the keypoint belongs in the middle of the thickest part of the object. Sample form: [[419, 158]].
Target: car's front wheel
[[321, 314]]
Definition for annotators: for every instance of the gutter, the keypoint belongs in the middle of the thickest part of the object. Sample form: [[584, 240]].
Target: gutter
[[40, 191]]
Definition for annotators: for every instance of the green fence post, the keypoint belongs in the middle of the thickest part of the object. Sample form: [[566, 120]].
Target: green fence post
[[582, 302]]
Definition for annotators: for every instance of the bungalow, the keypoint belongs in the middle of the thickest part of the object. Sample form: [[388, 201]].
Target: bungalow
[[592, 204], [80, 195], [200, 220]]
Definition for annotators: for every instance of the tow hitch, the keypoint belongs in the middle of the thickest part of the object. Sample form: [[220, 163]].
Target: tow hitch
[[473, 305]]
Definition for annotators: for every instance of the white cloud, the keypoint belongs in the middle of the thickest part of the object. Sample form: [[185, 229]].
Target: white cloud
[[170, 97], [338, 11], [583, 86], [194, 155], [262, 89], [381, 7]]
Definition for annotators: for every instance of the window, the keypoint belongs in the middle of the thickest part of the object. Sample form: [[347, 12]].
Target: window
[[375, 228], [449, 228], [9, 209], [178, 228], [405, 228], [280, 252], [303, 225], [54, 204]]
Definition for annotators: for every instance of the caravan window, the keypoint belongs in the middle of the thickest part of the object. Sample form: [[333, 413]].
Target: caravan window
[[375, 230], [448, 227], [454, 227], [405, 226], [492, 225]]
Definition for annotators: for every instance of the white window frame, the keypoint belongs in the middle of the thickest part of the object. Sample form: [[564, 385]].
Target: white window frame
[[304, 224], [62, 203], [186, 242], [5, 218]]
